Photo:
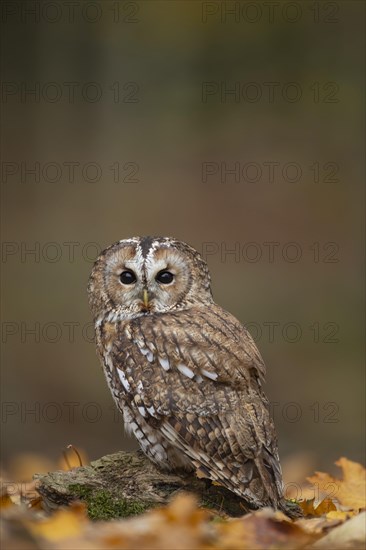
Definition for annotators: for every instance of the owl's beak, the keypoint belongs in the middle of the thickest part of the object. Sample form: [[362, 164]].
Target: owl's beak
[[146, 298]]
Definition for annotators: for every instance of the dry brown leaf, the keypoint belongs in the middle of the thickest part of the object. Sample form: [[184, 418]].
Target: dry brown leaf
[[307, 506], [318, 525], [36, 503], [182, 525], [9, 495], [261, 530], [325, 506], [341, 514], [63, 524], [350, 534], [5, 501], [20, 492], [349, 491]]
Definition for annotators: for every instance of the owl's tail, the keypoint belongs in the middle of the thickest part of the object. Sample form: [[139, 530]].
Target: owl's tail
[[269, 470]]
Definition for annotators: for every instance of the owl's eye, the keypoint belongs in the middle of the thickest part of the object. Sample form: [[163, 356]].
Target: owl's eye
[[164, 277], [127, 277]]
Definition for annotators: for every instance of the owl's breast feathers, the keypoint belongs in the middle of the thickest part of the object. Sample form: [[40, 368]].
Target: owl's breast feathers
[[195, 376]]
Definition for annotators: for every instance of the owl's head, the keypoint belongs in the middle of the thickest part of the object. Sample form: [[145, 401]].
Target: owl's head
[[145, 275]]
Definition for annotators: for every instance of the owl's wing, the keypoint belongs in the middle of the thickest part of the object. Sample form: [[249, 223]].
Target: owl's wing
[[197, 375]]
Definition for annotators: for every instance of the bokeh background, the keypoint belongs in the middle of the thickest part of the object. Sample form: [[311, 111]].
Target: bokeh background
[[139, 111]]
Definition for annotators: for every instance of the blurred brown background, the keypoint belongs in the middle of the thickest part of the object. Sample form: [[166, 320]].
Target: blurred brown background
[[128, 118]]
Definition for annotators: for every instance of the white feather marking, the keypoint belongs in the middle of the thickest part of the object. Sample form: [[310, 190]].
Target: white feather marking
[[152, 438], [209, 374], [142, 411], [124, 380], [185, 370], [112, 316], [128, 241], [140, 385], [108, 361], [128, 429], [158, 451], [199, 378], [164, 363], [131, 425], [138, 434], [109, 345], [147, 352], [151, 410]]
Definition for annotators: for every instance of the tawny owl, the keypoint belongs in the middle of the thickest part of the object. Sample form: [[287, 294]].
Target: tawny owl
[[184, 372]]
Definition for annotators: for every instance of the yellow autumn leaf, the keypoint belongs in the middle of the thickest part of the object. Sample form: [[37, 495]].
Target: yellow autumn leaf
[[349, 491], [63, 524], [340, 514], [262, 529], [5, 501], [307, 506], [319, 524], [325, 506]]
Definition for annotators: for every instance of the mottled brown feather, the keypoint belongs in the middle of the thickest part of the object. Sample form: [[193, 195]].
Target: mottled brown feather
[[185, 373]]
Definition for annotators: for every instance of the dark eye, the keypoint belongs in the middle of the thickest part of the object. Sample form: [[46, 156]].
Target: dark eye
[[164, 277], [128, 277]]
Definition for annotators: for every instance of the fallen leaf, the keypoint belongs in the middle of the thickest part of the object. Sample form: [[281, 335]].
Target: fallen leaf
[[309, 509], [183, 525], [349, 491], [5, 501], [307, 506], [261, 530], [341, 514], [64, 523], [351, 534], [325, 506]]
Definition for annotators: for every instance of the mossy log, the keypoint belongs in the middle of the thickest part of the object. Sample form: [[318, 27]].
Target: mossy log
[[127, 483]]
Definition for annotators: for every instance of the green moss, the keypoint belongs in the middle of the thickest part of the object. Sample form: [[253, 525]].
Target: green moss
[[102, 505], [208, 504]]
